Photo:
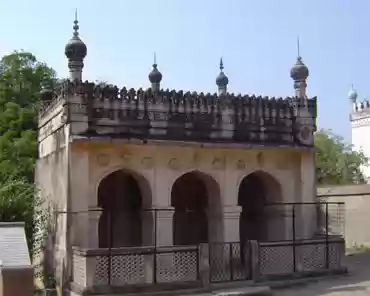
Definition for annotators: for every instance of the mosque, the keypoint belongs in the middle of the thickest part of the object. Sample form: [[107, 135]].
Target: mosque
[[131, 175]]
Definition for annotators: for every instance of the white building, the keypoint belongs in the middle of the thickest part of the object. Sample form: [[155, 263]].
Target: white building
[[360, 124]]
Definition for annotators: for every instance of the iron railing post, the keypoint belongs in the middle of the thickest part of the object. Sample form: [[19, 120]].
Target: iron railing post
[[110, 239], [294, 238], [231, 261], [155, 247], [327, 234]]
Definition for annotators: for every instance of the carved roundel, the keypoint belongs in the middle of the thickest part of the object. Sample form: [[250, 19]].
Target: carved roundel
[[305, 135]]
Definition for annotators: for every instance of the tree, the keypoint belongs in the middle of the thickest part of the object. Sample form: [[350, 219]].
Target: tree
[[336, 162], [21, 76]]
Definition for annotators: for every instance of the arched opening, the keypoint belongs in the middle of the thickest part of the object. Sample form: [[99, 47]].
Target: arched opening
[[192, 196], [120, 195], [255, 191]]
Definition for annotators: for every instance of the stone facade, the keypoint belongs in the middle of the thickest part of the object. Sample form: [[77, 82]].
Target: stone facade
[[158, 137]]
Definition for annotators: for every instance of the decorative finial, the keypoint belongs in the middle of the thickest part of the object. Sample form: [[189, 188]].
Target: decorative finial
[[155, 60], [75, 27], [155, 76], [75, 50], [221, 64], [221, 80], [352, 95], [298, 53]]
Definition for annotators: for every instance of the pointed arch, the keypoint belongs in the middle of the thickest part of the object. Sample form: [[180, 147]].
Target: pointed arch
[[122, 195], [195, 196], [255, 191]]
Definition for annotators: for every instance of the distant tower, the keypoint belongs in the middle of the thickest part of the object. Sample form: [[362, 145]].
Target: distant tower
[[299, 74], [360, 126], [352, 95], [155, 77], [222, 81], [75, 51]]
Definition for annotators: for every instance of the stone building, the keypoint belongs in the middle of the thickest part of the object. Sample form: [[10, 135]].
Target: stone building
[[360, 126], [132, 168]]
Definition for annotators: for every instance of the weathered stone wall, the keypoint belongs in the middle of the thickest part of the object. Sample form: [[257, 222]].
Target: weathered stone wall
[[157, 167], [357, 211], [51, 177]]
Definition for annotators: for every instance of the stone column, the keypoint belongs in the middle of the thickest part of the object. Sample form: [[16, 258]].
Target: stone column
[[163, 226], [93, 227], [231, 215]]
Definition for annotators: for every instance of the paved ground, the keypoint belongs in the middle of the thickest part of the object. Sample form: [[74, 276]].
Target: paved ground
[[356, 283]]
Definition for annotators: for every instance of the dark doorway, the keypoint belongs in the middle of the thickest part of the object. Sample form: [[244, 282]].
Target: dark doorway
[[255, 191], [189, 197], [120, 198]]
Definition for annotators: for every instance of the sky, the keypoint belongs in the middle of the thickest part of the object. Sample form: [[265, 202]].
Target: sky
[[256, 38]]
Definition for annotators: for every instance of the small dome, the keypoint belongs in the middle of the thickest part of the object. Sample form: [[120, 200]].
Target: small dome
[[46, 93], [299, 71], [222, 79], [352, 95], [155, 76], [75, 49]]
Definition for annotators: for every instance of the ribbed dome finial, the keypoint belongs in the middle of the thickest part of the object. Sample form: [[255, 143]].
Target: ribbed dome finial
[[155, 77], [75, 51], [222, 79], [352, 95]]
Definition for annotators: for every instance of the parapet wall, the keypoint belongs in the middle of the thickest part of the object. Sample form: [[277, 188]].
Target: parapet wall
[[179, 115]]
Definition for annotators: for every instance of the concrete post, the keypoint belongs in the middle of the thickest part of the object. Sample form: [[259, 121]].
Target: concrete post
[[163, 226], [231, 216], [255, 264], [204, 264], [93, 234]]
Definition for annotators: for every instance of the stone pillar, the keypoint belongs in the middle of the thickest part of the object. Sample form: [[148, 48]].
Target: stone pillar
[[231, 217], [163, 226], [254, 260], [93, 227], [204, 264], [215, 220]]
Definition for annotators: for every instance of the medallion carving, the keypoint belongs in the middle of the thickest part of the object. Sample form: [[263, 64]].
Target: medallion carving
[[147, 162], [126, 157], [240, 164], [174, 163], [196, 158], [102, 159], [260, 158], [218, 163]]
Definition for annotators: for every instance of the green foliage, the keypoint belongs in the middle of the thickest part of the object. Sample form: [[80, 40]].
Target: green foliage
[[336, 162], [21, 76], [19, 201]]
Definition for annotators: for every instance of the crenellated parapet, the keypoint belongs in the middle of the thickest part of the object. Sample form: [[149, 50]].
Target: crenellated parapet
[[177, 115]]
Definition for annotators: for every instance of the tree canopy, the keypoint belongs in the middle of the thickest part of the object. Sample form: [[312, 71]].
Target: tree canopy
[[21, 76], [336, 162]]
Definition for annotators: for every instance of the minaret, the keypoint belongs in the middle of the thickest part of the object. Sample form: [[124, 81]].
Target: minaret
[[352, 97], [75, 51], [360, 127], [155, 77], [222, 81], [299, 73]]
